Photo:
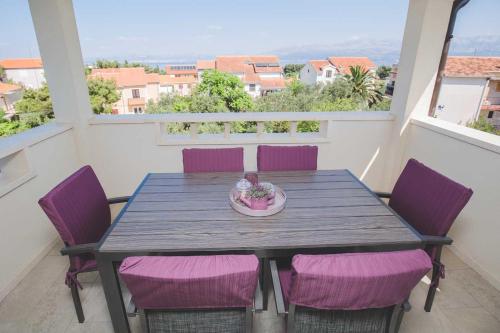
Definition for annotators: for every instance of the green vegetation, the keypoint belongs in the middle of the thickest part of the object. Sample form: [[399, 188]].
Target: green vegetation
[[484, 125], [292, 70], [103, 93], [117, 64], [2, 73], [362, 86], [383, 72]]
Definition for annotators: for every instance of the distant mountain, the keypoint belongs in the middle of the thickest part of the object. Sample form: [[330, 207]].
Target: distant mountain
[[382, 52]]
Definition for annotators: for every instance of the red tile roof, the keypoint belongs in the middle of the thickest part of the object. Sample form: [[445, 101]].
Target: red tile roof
[[235, 64], [166, 80], [319, 64], [485, 107], [344, 63], [472, 66], [6, 88], [271, 84], [21, 63], [125, 77], [205, 64]]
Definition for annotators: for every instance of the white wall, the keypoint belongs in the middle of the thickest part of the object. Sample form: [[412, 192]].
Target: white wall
[[471, 158], [30, 78], [460, 99], [308, 75], [26, 233]]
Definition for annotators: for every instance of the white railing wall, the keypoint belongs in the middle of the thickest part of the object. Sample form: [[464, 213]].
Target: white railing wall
[[125, 148], [471, 158]]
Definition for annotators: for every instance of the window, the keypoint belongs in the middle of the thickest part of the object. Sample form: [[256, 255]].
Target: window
[[497, 88], [251, 87], [135, 93], [138, 110], [329, 74], [490, 114], [181, 86]]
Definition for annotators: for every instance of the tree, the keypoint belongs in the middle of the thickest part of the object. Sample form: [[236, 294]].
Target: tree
[[337, 89], [35, 101], [292, 70], [363, 86], [228, 88], [103, 94], [383, 72], [2, 73]]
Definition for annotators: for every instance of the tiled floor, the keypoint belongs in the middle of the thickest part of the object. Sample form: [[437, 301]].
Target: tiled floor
[[42, 303]]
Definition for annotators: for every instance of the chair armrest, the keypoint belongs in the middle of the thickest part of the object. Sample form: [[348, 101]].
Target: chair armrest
[[278, 295], [383, 194], [116, 200], [437, 240], [79, 249]]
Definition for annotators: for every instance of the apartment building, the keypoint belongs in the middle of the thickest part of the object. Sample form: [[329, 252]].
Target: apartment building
[[181, 71], [27, 72], [327, 70], [9, 95], [182, 85], [470, 89], [260, 74], [136, 87]]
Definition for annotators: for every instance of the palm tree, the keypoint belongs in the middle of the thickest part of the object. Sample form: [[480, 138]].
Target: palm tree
[[362, 84]]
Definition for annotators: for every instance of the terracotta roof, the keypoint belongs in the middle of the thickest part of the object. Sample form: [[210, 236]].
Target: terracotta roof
[[205, 64], [6, 88], [319, 64], [166, 80], [344, 63], [136, 101], [274, 83], [21, 63], [490, 107], [472, 66], [172, 71], [235, 64], [125, 77], [249, 75]]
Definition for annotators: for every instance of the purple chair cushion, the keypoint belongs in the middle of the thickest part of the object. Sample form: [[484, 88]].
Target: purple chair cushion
[[222, 281], [79, 210], [213, 160], [427, 200], [287, 158], [354, 281]]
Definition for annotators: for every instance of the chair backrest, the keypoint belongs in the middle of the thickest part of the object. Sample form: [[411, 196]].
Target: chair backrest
[[212, 160], [356, 281], [191, 282], [78, 208], [287, 158], [427, 200]]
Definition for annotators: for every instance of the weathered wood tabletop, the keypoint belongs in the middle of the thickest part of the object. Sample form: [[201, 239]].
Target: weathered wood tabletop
[[191, 213]]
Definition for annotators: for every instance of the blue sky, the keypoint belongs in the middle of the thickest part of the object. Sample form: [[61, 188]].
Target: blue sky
[[162, 29]]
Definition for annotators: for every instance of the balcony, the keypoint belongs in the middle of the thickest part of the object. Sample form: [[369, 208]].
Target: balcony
[[122, 149]]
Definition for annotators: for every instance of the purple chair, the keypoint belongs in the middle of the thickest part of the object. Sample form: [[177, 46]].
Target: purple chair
[[212, 160], [430, 202], [80, 212], [354, 292], [193, 293], [287, 158]]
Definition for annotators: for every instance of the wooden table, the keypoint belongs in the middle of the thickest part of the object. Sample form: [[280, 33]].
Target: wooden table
[[326, 211]]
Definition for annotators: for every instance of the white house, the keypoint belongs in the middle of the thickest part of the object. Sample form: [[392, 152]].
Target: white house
[[25, 71], [326, 71], [470, 89], [9, 95]]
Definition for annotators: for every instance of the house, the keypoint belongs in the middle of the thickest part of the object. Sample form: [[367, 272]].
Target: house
[[182, 85], [391, 80], [326, 71], [181, 71], [470, 89], [136, 87], [25, 71], [259, 74], [9, 95]]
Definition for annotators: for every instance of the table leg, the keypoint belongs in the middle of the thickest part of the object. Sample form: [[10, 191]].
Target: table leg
[[112, 291]]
